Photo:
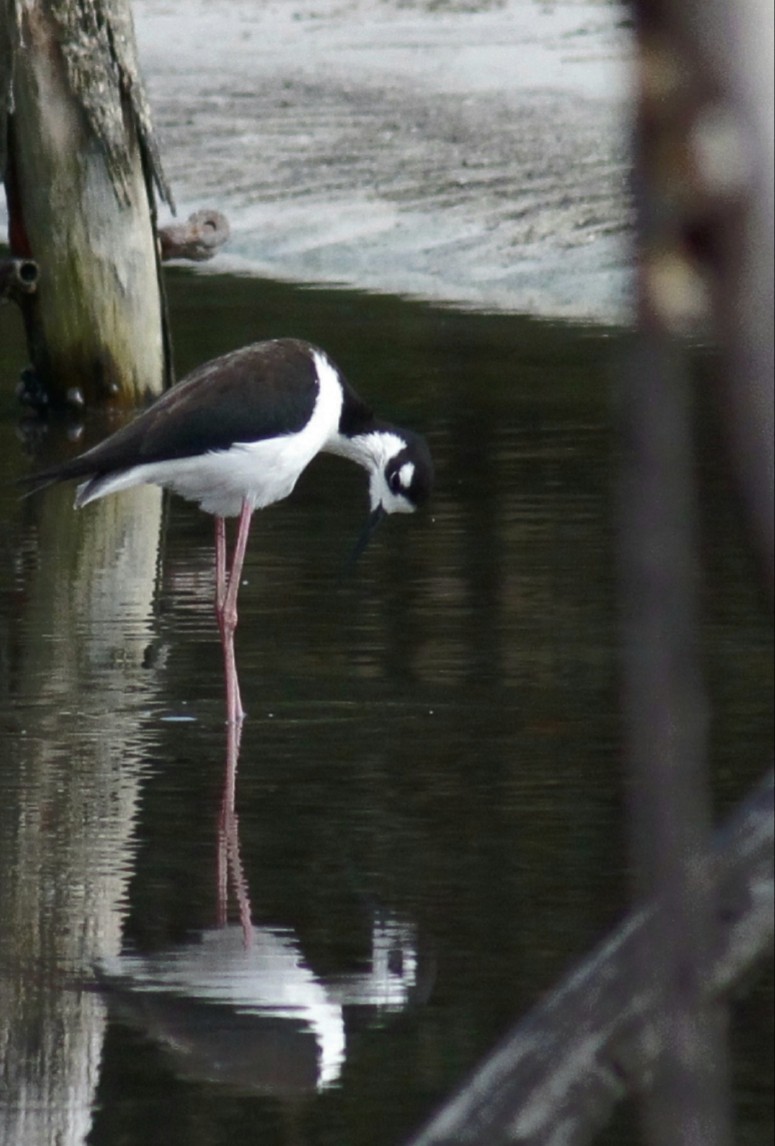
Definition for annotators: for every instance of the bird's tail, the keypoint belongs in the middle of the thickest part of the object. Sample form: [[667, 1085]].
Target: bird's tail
[[65, 471]]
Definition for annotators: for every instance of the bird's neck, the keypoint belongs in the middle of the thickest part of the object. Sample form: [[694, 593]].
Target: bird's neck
[[371, 448], [359, 436]]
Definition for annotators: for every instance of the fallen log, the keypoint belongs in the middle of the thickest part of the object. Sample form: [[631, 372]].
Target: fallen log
[[555, 1079]]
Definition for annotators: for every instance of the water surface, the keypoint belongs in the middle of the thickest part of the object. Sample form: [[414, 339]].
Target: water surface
[[473, 152], [427, 827]]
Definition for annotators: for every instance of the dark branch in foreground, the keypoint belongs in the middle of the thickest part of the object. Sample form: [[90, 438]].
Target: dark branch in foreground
[[556, 1078], [199, 238]]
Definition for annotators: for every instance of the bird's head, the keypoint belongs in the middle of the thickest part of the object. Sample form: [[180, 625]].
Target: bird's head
[[401, 477], [402, 472]]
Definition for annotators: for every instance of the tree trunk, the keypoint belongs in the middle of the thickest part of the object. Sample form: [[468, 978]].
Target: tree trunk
[[78, 157]]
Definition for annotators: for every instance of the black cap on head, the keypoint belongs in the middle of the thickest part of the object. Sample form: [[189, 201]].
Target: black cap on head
[[409, 472]]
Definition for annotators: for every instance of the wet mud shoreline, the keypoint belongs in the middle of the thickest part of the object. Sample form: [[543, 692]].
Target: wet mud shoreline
[[464, 156]]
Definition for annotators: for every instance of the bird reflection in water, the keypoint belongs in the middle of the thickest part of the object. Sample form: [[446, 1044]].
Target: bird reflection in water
[[239, 1004], [230, 869]]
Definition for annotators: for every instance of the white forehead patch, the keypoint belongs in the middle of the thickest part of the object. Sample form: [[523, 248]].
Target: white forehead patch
[[405, 474]]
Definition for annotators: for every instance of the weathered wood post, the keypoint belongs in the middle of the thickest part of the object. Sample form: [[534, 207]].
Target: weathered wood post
[[80, 164]]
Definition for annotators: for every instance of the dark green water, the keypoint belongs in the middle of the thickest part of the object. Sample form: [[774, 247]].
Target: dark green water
[[429, 789]]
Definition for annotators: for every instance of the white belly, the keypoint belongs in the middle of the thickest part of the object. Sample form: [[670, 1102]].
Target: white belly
[[260, 472]]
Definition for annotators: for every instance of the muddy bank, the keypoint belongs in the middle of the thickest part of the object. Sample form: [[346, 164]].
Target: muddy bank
[[471, 154]]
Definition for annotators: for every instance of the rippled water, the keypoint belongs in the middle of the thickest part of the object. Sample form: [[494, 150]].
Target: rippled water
[[426, 827], [420, 147]]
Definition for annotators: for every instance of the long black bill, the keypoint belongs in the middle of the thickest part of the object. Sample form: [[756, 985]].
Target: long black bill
[[365, 536]]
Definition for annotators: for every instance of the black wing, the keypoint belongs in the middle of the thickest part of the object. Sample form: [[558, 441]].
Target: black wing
[[261, 391]]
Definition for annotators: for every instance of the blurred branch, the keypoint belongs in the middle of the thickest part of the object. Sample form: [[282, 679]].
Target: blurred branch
[[666, 732], [705, 146], [699, 147], [555, 1079]]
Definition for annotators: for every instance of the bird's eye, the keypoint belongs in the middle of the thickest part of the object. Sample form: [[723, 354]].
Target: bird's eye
[[394, 482]]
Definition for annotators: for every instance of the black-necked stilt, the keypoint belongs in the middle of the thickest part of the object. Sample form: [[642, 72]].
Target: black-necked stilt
[[235, 435]]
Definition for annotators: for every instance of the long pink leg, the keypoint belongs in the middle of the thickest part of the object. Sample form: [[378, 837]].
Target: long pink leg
[[226, 591], [233, 702], [220, 565]]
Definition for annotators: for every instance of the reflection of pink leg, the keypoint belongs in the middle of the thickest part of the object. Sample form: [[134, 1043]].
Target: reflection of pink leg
[[226, 591], [229, 861], [222, 877], [241, 892]]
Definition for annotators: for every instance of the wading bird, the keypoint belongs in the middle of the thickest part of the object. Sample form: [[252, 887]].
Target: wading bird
[[234, 436]]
